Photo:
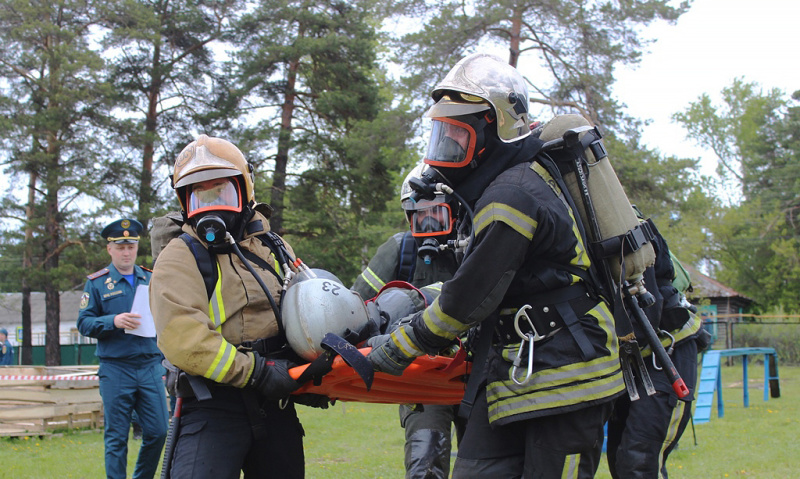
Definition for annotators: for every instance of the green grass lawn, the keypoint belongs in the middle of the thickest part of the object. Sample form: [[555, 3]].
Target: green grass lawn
[[364, 441]]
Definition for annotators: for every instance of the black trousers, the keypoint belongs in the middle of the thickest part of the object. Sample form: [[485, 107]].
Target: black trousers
[[549, 447], [220, 438], [642, 433]]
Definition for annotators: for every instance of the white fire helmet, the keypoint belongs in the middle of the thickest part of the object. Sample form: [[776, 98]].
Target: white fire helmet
[[316, 306]]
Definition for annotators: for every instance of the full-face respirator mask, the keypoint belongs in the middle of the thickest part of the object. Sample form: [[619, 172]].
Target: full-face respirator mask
[[215, 208]]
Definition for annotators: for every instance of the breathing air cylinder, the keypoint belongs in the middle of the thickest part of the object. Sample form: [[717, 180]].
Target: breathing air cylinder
[[614, 213]]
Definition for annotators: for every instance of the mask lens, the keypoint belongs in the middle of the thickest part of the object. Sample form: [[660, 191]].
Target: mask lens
[[431, 219], [217, 194], [452, 143]]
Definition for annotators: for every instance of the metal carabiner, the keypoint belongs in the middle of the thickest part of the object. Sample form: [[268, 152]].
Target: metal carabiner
[[669, 349], [523, 312], [518, 360]]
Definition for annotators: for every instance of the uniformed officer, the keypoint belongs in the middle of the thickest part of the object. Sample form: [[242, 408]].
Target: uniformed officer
[[549, 388], [415, 256], [130, 365], [236, 414], [6, 349]]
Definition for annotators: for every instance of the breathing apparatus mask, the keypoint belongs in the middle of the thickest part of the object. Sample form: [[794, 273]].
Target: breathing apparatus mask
[[214, 208], [431, 223], [457, 144]]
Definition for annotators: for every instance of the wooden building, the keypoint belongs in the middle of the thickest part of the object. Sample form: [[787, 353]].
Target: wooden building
[[719, 305]]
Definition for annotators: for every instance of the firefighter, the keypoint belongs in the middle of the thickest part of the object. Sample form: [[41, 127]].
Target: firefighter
[[234, 385], [415, 256], [546, 361], [642, 433]]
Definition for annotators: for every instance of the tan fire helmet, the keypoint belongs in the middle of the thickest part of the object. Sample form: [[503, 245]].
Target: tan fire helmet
[[208, 158], [478, 82]]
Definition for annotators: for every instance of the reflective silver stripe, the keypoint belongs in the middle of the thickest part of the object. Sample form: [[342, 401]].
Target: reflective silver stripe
[[571, 466], [373, 280], [403, 341], [222, 362], [434, 288], [554, 398], [216, 307], [564, 386], [440, 323], [518, 221]]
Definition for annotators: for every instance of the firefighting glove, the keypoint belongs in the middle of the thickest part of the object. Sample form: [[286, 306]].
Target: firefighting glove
[[388, 355], [271, 377]]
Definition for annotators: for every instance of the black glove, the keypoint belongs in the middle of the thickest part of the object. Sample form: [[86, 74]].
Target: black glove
[[312, 400], [271, 377]]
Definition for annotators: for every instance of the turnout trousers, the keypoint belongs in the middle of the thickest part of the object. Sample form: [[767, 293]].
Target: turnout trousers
[[428, 444], [642, 433], [126, 387], [567, 445], [221, 437]]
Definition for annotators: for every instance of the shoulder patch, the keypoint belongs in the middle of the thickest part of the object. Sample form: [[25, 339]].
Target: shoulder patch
[[84, 300], [146, 269], [97, 274]]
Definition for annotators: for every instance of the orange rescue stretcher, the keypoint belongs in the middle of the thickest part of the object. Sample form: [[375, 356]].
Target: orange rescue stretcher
[[427, 380]]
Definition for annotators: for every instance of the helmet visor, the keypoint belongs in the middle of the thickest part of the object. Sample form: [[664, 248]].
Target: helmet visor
[[430, 218], [452, 143], [219, 194]]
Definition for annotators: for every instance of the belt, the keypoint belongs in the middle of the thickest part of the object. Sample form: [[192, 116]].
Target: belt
[[543, 314], [265, 346]]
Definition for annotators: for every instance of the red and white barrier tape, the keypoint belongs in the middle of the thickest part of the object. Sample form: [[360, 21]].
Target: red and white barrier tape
[[49, 378]]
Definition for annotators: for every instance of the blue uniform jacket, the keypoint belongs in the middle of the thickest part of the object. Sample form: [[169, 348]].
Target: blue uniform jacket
[[105, 295], [7, 357]]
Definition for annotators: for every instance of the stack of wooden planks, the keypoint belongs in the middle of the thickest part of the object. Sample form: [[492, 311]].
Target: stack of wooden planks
[[40, 400]]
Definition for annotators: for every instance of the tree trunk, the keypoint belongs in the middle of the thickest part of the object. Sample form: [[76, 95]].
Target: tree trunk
[[146, 199], [514, 40], [26, 349], [284, 143]]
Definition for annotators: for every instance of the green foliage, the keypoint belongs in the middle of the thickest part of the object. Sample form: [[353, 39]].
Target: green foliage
[[756, 240], [573, 46], [785, 338], [668, 190]]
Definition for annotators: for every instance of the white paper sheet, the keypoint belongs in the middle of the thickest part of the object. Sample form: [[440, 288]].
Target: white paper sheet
[[141, 306]]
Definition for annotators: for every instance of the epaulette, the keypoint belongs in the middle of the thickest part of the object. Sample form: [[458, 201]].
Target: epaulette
[[97, 274], [146, 269]]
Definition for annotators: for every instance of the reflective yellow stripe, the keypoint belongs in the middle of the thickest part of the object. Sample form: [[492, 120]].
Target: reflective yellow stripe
[[403, 341], [690, 328], [373, 280], [563, 386], [222, 362], [571, 466], [672, 430], [216, 306], [581, 257], [440, 323], [518, 221]]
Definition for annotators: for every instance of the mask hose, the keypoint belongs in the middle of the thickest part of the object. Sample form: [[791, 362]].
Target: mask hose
[[426, 187], [275, 309]]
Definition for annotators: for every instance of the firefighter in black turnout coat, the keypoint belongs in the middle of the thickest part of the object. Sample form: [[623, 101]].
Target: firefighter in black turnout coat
[[550, 365]]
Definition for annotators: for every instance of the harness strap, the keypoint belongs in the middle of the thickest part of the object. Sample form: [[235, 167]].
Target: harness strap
[[408, 258], [480, 345], [629, 242], [205, 263]]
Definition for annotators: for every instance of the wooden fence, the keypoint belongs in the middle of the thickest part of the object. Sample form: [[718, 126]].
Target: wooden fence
[[39, 400]]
